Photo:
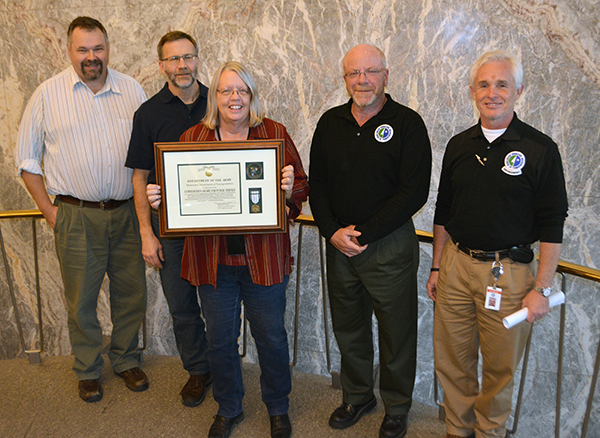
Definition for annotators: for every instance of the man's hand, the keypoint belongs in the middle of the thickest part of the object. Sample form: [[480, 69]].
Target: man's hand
[[345, 241], [432, 285], [537, 305], [37, 188], [152, 251], [153, 194], [440, 239], [50, 215]]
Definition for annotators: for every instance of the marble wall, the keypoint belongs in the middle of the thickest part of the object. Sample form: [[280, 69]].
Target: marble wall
[[295, 49]]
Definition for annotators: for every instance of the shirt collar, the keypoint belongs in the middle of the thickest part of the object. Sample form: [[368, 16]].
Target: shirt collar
[[388, 111], [166, 96], [512, 133], [110, 85]]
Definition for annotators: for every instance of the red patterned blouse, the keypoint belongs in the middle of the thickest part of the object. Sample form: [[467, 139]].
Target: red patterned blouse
[[268, 256]]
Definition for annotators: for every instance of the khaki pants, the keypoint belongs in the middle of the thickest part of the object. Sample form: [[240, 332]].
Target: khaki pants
[[462, 326]]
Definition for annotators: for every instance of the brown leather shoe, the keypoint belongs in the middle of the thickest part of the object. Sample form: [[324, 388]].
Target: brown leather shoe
[[194, 391], [90, 391], [135, 379]]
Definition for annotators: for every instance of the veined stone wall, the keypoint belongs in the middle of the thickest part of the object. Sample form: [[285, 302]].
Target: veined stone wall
[[294, 49]]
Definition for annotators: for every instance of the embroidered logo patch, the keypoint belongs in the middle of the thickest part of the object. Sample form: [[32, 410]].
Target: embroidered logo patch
[[513, 163], [384, 133]]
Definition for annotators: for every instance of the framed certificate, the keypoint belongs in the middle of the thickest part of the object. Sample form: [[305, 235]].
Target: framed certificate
[[218, 187]]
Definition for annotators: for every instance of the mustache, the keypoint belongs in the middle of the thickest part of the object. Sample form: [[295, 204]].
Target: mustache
[[91, 63]]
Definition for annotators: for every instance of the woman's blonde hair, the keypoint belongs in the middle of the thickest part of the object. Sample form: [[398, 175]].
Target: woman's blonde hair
[[211, 118]]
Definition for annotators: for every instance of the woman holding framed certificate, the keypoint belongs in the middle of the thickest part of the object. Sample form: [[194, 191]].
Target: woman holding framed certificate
[[249, 268]]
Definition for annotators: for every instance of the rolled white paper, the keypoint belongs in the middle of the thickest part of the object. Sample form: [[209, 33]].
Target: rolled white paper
[[515, 318]]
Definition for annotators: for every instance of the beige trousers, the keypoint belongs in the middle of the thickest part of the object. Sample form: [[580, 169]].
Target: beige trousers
[[463, 326]]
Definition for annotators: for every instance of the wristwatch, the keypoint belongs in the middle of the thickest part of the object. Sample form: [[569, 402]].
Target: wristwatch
[[545, 291]]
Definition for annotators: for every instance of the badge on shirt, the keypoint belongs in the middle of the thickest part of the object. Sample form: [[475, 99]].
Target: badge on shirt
[[513, 163], [384, 133], [493, 297]]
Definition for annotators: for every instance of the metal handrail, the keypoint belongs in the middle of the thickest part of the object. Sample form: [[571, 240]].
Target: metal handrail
[[21, 214], [34, 355], [424, 236]]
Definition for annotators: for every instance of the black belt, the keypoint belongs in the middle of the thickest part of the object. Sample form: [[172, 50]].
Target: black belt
[[484, 256], [109, 204]]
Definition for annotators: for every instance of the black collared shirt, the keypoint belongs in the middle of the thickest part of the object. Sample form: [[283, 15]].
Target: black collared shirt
[[162, 118], [508, 192], [375, 176]]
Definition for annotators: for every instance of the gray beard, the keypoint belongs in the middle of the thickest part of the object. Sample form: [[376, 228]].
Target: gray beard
[[193, 74]]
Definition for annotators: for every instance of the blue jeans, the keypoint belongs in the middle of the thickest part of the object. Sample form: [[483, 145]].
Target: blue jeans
[[264, 307], [182, 298]]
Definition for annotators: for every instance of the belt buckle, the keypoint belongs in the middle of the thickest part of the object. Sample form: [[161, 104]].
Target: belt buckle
[[101, 204], [476, 254]]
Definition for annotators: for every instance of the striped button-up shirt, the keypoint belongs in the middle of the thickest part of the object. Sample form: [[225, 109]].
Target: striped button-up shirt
[[81, 137], [268, 256]]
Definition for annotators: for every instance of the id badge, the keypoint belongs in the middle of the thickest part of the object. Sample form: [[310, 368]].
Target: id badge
[[493, 297]]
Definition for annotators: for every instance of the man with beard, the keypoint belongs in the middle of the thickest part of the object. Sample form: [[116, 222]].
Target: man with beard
[[180, 105], [78, 124], [370, 164]]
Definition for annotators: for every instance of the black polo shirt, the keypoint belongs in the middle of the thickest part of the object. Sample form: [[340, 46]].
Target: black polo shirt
[[375, 176], [162, 118], [508, 192]]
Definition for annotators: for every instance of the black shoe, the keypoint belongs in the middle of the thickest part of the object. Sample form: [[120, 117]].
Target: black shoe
[[222, 427], [348, 415], [135, 379], [90, 390], [281, 426], [393, 426], [194, 391]]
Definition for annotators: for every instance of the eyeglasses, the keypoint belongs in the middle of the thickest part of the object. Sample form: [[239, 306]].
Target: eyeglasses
[[188, 59], [243, 92], [370, 73]]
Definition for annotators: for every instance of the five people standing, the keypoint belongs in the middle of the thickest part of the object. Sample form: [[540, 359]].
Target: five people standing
[[501, 189]]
